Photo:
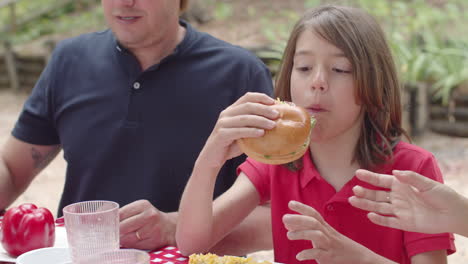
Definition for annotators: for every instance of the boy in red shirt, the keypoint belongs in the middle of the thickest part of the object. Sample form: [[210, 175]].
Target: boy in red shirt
[[338, 67]]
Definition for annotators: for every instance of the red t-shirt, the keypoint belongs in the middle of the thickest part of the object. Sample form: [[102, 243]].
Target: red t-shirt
[[279, 185]]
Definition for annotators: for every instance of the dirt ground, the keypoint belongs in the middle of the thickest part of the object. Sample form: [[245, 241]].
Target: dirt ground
[[243, 29]]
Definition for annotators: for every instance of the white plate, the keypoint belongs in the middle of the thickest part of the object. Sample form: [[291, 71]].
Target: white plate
[[60, 242], [51, 255]]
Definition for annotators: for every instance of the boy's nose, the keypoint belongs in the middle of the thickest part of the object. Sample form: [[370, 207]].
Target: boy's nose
[[127, 2], [319, 82]]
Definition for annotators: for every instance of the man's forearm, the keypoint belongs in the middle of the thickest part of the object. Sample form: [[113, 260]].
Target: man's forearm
[[20, 162], [253, 234], [7, 192]]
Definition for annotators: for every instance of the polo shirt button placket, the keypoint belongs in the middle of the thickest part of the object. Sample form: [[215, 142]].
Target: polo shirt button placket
[[330, 208], [136, 85]]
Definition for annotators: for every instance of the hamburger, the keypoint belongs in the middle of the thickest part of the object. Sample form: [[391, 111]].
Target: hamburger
[[287, 141]]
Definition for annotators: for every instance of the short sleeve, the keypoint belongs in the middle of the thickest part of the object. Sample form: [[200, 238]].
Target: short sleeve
[[35, 124], [417, 243], [258, 174]]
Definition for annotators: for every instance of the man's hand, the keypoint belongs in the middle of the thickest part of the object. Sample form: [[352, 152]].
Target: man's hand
[[142, 226], [329, 245]]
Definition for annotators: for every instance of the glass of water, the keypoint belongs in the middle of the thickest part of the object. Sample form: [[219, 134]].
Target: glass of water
[[92, 227]]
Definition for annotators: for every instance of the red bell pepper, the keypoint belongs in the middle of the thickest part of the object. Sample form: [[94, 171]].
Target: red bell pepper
[[27, 227]]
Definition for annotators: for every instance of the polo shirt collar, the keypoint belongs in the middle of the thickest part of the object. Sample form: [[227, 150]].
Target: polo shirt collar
[[188, 38], [308, 171], [181, 47]]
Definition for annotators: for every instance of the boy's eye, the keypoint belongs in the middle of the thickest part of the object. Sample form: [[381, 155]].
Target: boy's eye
[[303, 68], [338, 70]]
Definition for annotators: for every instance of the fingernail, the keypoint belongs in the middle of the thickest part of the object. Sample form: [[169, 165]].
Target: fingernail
[[356, 188], [354, 199], [275, 113], [271, 124]]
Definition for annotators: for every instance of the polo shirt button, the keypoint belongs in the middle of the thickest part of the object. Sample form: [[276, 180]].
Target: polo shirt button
[[136, 85], [330, 207]]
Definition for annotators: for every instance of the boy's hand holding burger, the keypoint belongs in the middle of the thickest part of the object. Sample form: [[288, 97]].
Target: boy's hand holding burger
[[267, 130]]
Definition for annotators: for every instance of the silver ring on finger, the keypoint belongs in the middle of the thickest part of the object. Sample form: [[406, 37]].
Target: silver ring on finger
[[138, 235]]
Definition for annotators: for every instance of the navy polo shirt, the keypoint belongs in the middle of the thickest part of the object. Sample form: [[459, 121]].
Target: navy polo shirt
[[129, 134]]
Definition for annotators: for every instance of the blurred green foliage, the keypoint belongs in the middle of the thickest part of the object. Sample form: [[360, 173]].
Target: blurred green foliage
[[222, 10], [60, 20], [429, 42]]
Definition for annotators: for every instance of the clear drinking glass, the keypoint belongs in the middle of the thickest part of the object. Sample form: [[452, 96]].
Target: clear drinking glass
[[92, 227], [121, 256]]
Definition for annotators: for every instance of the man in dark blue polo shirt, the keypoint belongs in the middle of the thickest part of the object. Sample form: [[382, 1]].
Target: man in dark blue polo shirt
[[132, 107]]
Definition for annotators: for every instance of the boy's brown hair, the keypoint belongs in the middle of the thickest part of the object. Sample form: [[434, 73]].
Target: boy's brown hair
[[363, 42]]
